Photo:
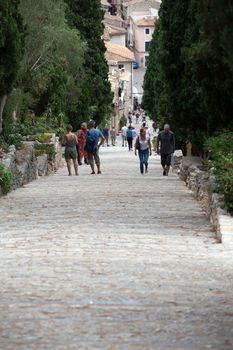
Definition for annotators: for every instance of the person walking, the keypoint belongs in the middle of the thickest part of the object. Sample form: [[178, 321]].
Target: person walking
[[92, 146], [129, 135], [165, 147], [113, 136], [134, 132], [106, 135], [143, 146], [70, 141], [81, 143], [124, 135]]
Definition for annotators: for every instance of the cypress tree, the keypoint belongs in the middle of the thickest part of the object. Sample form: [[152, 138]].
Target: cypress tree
[[96, 96], [190, 71], [11, 48]]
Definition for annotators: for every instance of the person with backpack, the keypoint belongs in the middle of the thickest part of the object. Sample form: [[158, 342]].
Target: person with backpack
[[129, 134], [92, 146], [143, 146]]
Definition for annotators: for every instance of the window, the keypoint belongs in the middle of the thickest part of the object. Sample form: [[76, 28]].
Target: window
[[121, 65], [147, 46], [147, 30]]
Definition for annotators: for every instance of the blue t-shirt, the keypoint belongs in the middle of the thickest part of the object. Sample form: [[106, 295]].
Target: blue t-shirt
[[92, 139], [97, 134], [129, 133]]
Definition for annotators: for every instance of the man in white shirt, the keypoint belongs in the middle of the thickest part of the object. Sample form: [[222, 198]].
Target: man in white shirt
[[124, 135]]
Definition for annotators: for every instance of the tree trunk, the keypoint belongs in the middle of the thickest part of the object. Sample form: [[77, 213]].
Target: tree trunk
[[2, 105]]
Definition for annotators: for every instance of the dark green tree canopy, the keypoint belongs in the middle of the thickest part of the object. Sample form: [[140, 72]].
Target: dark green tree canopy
[[96, 96], [190, 71], [11, 44]]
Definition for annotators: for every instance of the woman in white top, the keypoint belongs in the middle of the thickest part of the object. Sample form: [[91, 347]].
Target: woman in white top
[[143, 146]]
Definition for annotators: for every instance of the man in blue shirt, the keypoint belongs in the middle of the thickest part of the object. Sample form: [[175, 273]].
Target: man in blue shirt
[[92, 146]]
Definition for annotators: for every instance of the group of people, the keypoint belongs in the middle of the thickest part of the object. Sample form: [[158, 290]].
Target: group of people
[[85, 145], [164, 143]]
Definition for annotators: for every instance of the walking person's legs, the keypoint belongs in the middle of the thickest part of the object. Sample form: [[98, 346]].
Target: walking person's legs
[[91, 162], [140, 154], [68, 164], [146, 157], [167, 163], [75, 162], [163, 163], [130, 143], [97, 161]]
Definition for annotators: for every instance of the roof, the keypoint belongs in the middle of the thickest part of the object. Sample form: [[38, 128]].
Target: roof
[[115, 30], [119, 53], [153, 3], [145, 22], [117, 21], [105, 3]]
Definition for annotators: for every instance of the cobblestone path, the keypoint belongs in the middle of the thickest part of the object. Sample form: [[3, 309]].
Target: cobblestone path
[[116, 261]]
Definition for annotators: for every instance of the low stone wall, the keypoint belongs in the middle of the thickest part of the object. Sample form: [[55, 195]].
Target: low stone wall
[[26, 167], [202, 184]]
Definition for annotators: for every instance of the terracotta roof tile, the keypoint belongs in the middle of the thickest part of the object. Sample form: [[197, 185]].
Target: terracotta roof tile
[[115, 52], [145, 22]]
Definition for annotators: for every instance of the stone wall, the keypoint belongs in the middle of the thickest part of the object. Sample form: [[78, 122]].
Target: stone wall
[[202, 183], [26, 167]]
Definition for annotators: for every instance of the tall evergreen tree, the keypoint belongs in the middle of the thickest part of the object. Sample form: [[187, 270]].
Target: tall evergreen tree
[[190, 68], [11, 48], [96, 96]]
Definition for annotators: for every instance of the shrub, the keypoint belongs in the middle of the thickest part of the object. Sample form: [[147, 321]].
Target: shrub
[[221, 152], [45, 148], [5, 180]]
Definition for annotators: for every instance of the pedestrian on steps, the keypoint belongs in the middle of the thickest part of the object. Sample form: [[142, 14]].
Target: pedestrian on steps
[[143, 146], [92, 146], [113, 135], [70, 141], [81, 142], [165, 147], [129, 134]]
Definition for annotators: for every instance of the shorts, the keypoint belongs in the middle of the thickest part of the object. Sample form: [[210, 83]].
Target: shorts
[[93, 157], [166, 159], [70, 153]]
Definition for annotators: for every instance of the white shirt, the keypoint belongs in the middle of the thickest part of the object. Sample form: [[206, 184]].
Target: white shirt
[[124, 130], [144, 144]]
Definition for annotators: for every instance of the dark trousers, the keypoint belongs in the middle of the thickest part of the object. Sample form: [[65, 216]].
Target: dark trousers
[[130, 142]]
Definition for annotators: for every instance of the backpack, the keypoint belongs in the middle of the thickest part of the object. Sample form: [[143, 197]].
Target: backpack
[[129, 133], [91, 142]]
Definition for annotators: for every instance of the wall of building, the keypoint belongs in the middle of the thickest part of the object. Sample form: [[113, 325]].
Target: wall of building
[[119, 39], [140, 38]]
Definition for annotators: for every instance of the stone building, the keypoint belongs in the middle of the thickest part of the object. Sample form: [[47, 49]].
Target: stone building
[[120, 61]]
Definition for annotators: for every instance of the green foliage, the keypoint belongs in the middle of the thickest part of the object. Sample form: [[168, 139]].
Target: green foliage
[[11, 49], [11, 44], [45, 148], [95, 97], [189, 81], [53, 57], [5, 180], [4, 147], [221, 151], [123, 122]]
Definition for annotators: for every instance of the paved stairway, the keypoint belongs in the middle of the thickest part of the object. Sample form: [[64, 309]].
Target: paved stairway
[[117, 261]]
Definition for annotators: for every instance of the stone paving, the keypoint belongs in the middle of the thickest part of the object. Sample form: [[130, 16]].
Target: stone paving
[[117, 261]]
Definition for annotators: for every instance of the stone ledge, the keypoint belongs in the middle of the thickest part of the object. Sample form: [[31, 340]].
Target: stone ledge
[[202, 184], [26, 167]]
